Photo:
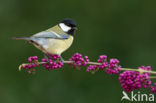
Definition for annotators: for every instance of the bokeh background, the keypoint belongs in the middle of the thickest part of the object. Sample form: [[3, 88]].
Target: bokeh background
[[118, 28]]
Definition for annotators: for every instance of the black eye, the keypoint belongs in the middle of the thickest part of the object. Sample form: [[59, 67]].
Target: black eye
[[69, 22], [71, 25]]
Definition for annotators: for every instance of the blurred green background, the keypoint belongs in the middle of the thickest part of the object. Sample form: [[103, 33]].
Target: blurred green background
[[118, 28]]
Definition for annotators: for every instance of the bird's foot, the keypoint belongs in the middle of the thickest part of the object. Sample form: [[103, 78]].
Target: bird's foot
[[46, 57], [61, 59]]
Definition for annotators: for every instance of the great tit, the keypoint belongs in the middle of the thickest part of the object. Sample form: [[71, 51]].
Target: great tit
[[55, 40]]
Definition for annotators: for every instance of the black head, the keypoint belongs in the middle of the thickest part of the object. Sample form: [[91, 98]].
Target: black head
[[68, 26]]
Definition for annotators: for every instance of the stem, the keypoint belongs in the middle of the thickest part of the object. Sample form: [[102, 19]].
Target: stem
[[95, 63], [129, 69], [152, 77], [138, 70]]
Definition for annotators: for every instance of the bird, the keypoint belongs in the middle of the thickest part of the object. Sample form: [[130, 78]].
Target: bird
[[54, 40]]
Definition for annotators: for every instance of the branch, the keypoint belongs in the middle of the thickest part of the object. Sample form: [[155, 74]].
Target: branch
[[96, 63], [129, 80]]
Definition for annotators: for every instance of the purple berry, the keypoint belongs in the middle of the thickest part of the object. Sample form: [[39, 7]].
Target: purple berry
[[78, 60], [131, 80]]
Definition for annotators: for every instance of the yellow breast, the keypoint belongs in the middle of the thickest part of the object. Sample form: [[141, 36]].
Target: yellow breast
[[56, 46]]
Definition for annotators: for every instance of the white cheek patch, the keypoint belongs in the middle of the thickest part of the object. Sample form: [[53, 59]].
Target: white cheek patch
[[64, 27]]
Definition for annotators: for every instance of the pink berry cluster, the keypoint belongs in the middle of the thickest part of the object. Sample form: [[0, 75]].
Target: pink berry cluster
[[153, 88], [147, 68], [52, 63], [77, 60], [131, 80], [32, 64], [110, 67]]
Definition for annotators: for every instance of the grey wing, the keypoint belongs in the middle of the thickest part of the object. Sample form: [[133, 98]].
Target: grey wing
[[41, 39], [49, 34], [40, 42]]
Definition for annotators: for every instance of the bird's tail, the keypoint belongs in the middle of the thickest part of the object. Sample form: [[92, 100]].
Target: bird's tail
[[21, 38]]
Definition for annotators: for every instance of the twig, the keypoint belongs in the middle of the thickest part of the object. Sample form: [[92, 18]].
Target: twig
[[95, 63], [152, 77]]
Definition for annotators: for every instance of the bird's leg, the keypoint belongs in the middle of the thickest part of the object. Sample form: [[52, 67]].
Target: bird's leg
[[61, 58], [46, 57]]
